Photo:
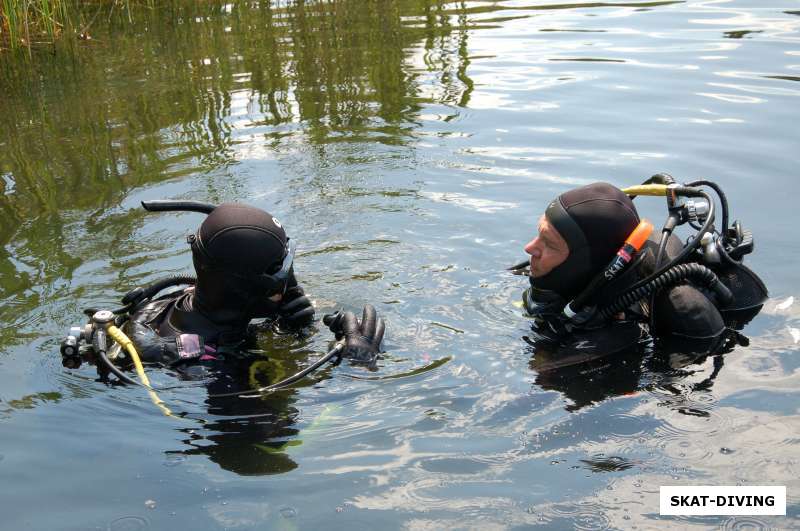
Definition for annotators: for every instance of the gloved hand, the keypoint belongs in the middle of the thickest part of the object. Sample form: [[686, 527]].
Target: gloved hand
[[362, 338], [296, 309]]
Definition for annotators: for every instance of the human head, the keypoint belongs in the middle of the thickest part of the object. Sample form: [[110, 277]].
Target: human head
[[235, 246], [548, 249], [593, 222]]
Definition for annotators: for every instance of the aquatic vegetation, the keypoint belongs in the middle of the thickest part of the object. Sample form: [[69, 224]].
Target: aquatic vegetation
[[24, 23]]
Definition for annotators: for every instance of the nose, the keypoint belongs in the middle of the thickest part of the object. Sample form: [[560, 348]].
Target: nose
[[533, 248]]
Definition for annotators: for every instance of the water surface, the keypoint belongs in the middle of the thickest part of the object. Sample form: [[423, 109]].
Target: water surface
[[408, 146]]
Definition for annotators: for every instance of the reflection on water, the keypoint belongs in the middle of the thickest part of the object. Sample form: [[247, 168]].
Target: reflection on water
[[127, 111], [408, 146]]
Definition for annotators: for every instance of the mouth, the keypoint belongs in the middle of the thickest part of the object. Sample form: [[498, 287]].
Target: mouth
[[522, 268]]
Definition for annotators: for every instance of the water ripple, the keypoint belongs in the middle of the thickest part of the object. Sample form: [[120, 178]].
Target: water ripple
[[584, 516], [129, 523], [745, 523]]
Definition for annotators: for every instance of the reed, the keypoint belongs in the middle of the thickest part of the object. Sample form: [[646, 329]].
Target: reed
[[27, 23], [24, 23]]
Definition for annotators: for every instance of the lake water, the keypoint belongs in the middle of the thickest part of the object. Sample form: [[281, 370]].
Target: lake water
[[408, 147]]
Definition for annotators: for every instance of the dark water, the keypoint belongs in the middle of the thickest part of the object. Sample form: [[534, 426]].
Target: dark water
[[409, 147]]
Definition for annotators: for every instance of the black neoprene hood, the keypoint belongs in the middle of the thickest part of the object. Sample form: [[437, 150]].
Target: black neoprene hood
[[594, 220], [241, 238]]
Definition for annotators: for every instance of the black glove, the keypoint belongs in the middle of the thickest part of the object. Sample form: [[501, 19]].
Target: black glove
[[296, 309], [362, 338]]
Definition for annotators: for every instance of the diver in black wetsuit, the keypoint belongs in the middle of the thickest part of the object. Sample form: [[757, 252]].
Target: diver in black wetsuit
[[244, 265], [661, 310], [585, 297]]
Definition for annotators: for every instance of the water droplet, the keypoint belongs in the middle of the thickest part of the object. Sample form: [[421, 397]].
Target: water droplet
[[150, 504]]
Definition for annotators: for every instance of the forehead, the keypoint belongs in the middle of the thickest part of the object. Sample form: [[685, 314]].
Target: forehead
[[547, 230], [544, 225]]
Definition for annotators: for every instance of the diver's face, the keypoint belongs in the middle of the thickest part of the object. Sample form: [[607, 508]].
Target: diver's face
[[548, 250]]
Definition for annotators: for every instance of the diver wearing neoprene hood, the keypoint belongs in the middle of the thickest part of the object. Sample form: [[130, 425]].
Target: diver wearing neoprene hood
[[596, 268], [244, 265]]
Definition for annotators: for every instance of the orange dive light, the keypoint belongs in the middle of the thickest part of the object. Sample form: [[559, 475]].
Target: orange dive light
[[631, 246], [624, 256]]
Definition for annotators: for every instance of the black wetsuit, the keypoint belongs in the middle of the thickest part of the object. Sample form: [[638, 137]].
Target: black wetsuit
[[171, 332]]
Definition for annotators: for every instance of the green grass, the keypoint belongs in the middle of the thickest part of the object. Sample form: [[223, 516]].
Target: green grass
[[24, 23]]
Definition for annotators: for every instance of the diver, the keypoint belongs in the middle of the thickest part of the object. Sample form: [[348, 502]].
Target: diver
[[243, 261], [602, 283]]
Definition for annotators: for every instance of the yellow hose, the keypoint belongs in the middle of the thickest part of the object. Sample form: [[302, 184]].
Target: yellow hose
[[125, 342], [647, 189]]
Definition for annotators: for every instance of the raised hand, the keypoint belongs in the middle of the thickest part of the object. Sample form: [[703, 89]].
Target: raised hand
[[362, 338]]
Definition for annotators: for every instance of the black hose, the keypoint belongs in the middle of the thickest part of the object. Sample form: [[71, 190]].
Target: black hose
[[722, 199], [662, 247], [118, 373], [335, 351], [691, 246], [679, 273], [151, 290], [136, 296]]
